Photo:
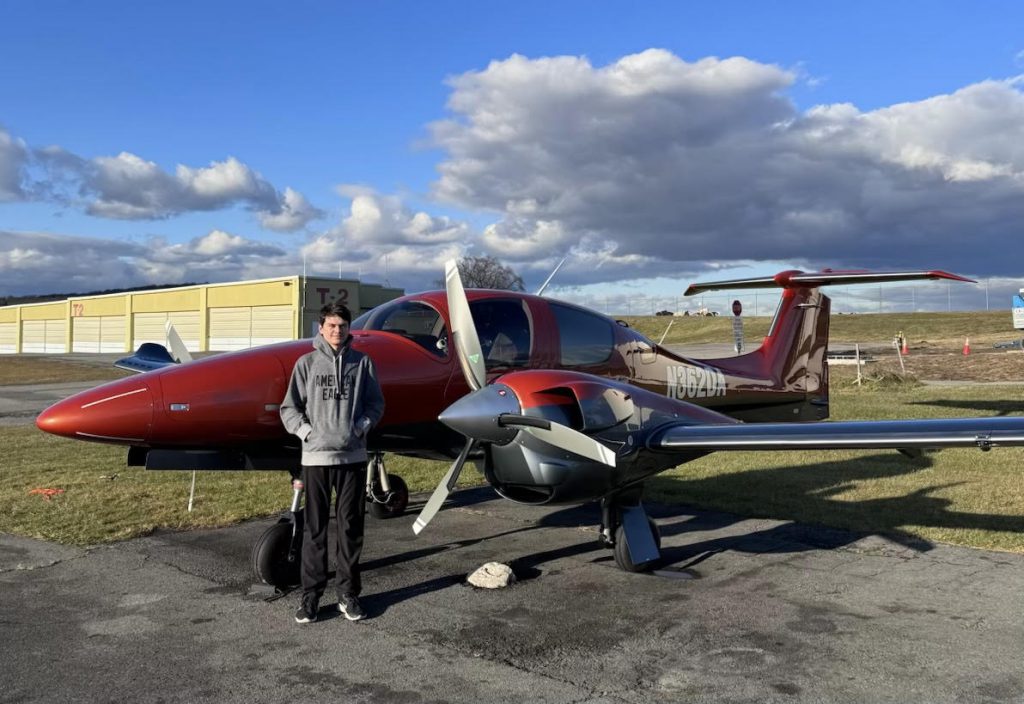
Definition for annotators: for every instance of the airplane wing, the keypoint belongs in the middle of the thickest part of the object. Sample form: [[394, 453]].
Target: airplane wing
[[152, 356], [983, 433], [148, 357]]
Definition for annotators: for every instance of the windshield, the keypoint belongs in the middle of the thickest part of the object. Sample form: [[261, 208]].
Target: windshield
[[413, 320]]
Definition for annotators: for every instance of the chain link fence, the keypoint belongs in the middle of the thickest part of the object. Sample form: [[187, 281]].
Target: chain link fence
[[931, 296]]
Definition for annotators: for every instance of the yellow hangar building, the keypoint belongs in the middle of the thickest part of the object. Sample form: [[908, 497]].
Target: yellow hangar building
[[208, 317]]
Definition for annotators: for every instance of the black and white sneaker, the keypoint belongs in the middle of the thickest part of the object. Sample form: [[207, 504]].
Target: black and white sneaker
[[307, 613], [350, 608]]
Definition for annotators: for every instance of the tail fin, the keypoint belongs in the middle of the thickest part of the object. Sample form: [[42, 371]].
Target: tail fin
[[793, 355]]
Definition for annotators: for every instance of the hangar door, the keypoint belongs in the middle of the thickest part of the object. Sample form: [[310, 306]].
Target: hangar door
[[8, 338], [100, 334], [150, 327], [241, 328], [43, 336]]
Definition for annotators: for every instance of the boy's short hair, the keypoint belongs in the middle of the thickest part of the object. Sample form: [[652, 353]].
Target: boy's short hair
[[335, 308]]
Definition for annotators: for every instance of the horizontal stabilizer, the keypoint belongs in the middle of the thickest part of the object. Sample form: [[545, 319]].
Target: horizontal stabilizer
[[148, 357], [854, 435], [828, 277]]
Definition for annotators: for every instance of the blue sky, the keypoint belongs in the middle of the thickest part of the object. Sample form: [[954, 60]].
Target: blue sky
[[655, 144]]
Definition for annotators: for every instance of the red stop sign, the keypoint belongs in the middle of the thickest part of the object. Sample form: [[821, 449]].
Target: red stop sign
[[737, 307]]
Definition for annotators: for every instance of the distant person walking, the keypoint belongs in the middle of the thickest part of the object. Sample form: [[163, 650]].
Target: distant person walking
[[333, 401]]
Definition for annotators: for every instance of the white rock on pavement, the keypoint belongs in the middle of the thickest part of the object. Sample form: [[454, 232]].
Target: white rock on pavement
[[493, 575]]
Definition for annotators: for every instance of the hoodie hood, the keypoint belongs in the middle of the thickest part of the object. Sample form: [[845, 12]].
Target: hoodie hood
[[322, 345]]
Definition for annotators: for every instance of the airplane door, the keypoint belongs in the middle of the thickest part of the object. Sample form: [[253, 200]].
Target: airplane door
[[642, 358]]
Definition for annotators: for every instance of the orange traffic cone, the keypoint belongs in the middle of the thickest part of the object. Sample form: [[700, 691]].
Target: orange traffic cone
[[967, 346], [905, 351]]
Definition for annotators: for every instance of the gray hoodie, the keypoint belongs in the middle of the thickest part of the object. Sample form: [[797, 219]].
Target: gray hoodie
[[333, 400]]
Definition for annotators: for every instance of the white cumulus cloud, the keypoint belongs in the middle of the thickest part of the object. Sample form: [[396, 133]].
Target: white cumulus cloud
[[129, 187], [384, 238], [679, 164], [39, 262]]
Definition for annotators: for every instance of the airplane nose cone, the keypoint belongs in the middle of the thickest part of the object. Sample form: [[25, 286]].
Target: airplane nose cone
[[119, 412], [475, 415]]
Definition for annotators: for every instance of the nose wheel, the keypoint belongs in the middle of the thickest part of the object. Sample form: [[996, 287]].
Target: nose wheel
[[277, 555], [273, 559]]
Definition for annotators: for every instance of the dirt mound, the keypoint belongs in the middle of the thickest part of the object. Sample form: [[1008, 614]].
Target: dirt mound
[[931, 363]]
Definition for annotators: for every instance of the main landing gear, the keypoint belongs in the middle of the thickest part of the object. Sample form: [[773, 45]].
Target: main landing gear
[[387, 493], [629, 531], [277, 554]]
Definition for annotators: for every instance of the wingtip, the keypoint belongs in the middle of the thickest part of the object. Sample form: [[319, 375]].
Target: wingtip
[[939, 274]]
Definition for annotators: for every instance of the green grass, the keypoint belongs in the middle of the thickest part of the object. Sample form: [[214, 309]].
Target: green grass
[[983, 327], [103, 500], [964, 497], [16, 369]]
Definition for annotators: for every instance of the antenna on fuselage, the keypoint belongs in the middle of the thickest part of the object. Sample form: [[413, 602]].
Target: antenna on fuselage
[[540, 291]]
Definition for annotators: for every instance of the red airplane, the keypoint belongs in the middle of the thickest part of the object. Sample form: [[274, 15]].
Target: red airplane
[[558, 403]]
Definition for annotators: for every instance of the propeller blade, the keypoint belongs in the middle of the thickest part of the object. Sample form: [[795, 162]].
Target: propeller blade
[[178, 348], [561, 436], [442, 490], [464, 337]]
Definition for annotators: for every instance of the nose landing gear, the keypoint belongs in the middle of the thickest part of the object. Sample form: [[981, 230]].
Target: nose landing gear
[[277, 555]]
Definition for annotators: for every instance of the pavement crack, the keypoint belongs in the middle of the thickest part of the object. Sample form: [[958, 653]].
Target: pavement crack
[[23, 567]]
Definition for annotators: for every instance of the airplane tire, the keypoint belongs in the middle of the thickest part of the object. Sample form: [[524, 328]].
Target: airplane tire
[[270, 557], [397, 501], [622, 558]]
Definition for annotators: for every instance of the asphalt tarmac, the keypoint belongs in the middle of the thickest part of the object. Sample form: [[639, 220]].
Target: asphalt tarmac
[[742, 611]]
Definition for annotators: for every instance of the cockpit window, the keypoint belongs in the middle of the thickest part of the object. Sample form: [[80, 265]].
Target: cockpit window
[[411, 319], [505, 331], [586, 338]]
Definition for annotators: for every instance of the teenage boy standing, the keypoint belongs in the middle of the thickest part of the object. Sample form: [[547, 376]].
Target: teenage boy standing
[[333, 401]]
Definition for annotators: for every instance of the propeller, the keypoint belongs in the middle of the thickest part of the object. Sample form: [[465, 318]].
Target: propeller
[[442, 490], [491, 413], [467, 344], [565, 438], [174, 341]]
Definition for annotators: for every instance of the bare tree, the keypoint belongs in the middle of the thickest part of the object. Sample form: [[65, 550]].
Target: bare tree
[[487, 272]]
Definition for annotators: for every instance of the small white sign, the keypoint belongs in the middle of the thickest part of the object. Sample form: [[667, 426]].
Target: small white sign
[[1018, 312], [737, 334]]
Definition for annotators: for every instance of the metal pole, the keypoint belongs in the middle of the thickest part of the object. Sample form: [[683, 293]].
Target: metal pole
[[672, 320], [192, 491]]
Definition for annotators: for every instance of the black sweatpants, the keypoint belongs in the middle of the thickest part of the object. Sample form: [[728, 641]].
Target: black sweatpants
[[349, 483]]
